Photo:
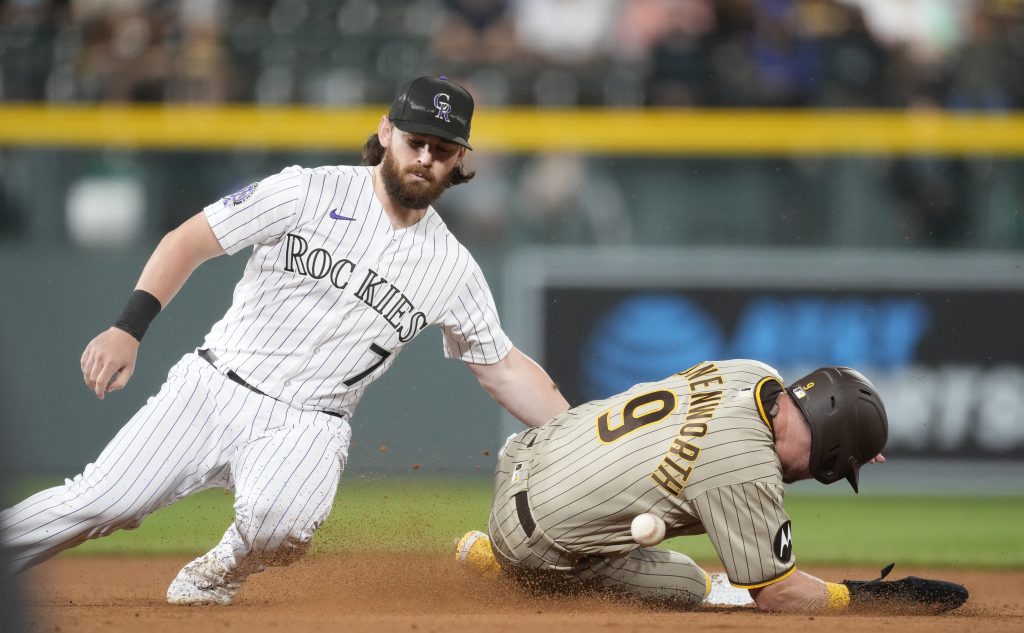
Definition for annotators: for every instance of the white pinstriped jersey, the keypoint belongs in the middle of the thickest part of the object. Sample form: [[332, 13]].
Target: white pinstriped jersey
[[331, 292], [696, 449]]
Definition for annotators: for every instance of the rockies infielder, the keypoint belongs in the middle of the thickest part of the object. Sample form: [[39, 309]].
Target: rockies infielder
[[348, 265], [705, 450]]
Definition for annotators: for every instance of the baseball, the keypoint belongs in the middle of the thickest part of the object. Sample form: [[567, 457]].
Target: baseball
[[647, 529]]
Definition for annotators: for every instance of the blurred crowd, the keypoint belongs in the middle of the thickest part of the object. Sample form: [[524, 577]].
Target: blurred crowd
[[949, 54], [746, 53]]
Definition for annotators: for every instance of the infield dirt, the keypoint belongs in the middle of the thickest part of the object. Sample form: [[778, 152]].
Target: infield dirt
[[422, 594]]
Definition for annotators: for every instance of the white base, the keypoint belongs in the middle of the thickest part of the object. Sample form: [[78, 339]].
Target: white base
[[725, 595]]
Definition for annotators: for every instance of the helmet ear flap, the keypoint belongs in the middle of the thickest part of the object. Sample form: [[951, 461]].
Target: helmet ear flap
[[828, 465]]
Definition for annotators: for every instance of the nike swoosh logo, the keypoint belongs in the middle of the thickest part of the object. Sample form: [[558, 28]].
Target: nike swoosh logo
[[338, 216]]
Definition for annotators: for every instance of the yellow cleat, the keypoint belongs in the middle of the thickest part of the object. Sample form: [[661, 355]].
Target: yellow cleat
[[473, 551]]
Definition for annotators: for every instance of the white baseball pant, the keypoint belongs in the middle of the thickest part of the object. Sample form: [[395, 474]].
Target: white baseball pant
[[200, 431]]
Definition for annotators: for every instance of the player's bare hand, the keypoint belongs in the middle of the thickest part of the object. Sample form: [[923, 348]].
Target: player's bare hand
[[108, 361]]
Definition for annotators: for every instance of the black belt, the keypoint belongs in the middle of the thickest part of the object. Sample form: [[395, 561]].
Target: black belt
[[211, 358], [525, 517]]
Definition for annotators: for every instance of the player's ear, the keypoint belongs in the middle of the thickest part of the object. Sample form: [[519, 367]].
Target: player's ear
[[384, 131]]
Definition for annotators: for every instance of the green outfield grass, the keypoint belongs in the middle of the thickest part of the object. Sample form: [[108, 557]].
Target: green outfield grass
[[407, 514]]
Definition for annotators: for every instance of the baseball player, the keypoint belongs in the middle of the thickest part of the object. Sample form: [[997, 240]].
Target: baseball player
[[348, 264], [706, 450]]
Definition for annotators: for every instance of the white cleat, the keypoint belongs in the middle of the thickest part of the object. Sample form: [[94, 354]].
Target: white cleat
[[723, 594], [206, 580]]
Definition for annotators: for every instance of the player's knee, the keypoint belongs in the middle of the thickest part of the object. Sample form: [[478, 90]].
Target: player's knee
[[285, 551], [277, 538], [274, 546]]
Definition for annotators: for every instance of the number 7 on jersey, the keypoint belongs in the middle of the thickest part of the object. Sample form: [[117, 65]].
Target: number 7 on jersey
[[379, 351]]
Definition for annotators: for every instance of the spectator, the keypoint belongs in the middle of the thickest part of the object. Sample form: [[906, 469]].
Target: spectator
[[986, 72], [565, 31], [28, 32], [853, 63], [479, 31], [785, 63], [201, 72], [566, 200], [676, 36], [140, 58], [753, 53]]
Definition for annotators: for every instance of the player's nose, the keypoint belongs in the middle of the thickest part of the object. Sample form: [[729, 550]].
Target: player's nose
[[426, 157]]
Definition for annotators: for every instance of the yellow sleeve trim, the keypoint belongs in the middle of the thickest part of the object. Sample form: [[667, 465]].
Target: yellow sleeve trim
[[767, 582], [838, 595], [760, 405]]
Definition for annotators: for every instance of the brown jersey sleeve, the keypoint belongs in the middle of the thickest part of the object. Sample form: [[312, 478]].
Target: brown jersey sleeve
[[750, 530]]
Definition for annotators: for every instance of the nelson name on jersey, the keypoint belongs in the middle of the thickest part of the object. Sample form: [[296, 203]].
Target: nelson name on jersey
[[374, 290]]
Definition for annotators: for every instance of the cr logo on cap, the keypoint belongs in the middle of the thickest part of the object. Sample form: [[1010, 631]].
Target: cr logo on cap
[[443, 107]]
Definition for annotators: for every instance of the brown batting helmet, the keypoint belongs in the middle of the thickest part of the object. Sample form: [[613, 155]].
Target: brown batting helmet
[[847, 420]]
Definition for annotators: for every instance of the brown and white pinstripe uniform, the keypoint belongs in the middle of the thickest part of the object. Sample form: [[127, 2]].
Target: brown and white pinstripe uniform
[[696, 449]]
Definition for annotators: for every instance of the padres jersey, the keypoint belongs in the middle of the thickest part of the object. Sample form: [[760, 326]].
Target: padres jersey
[[332, 292], [696, 449]]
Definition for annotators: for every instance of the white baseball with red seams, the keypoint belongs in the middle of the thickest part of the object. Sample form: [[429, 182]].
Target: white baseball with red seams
[[647, 530]]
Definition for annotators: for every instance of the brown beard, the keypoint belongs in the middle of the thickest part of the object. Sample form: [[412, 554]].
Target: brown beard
[[410, 195]]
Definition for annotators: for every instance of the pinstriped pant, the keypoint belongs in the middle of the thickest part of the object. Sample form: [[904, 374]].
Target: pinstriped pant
[[200, 431], [650, 574]]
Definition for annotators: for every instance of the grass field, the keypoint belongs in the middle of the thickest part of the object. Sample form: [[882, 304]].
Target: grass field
[[427, 513]]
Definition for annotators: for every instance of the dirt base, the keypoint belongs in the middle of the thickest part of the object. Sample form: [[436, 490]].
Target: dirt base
[[420, 594]]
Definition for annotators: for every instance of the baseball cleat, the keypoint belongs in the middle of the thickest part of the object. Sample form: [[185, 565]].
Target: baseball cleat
[[473, 551], [206, 580], [723, 594]]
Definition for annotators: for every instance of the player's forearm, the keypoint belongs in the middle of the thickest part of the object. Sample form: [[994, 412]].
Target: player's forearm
[[523, 388], [804, 593], [797, 593], [177, 256]]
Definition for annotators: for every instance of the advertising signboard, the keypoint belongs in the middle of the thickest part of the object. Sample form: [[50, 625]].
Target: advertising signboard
[[940, 336]]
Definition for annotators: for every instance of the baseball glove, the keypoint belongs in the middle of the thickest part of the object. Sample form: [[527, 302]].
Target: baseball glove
[[934, 596]]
